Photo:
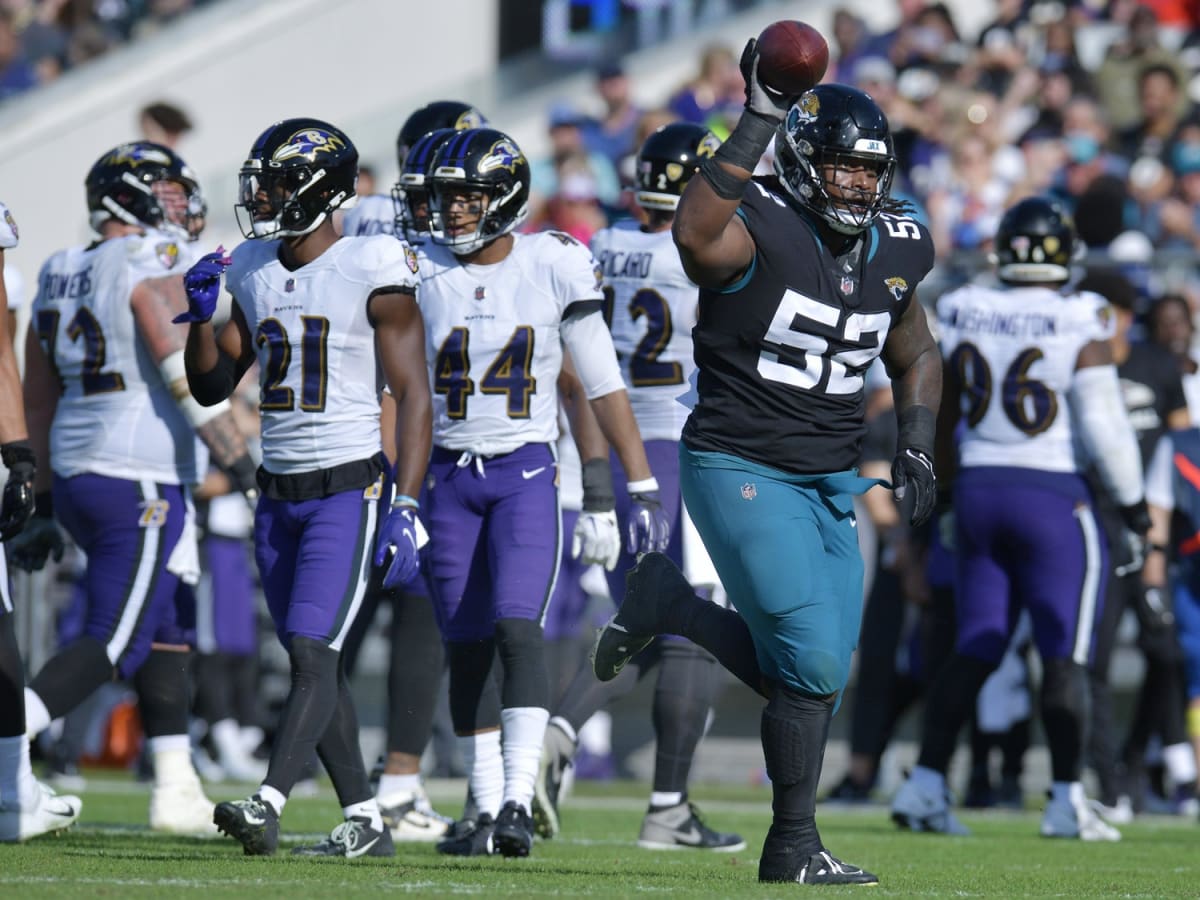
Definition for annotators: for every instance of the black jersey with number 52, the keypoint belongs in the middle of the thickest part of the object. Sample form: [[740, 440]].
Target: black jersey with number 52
[[781, 353]]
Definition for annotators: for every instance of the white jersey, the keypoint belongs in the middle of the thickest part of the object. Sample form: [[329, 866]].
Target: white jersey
[[319, 378], [14, 284], [116, 416], [654, 306], [493, 342], [9, 234], [375, 214], [1015, 350]]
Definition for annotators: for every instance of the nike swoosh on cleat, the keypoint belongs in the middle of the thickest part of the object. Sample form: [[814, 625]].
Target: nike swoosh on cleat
[[530, 473], [252, 819]]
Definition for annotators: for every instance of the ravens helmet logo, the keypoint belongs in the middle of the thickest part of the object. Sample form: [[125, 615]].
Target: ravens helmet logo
[[308, 143], [502, 155], [469, 118]]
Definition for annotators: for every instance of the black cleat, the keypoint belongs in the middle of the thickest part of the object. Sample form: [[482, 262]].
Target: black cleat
[[787, 857], [252, 822], [353, 838], [557, 752], [514, 830], [650, 587], [824, 868], [470, 839]]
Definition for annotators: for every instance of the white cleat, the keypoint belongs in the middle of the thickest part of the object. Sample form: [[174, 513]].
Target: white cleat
[[411, 818], [50, 813], [1075, 818], [182, 808]]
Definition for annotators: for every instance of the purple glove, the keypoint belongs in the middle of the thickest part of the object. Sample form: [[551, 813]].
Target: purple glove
[[398, 535], [648, 526], [203, 285]]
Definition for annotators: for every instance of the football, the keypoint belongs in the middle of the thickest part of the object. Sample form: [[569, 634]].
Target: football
[[792, 57]]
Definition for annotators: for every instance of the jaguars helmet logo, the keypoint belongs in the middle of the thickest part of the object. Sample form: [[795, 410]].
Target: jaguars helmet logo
[[805, 109], [708, 145], [309, 144], [502, 155], [896, 286]]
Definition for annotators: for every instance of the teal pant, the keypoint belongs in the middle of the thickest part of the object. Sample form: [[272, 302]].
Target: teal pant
[[786, 548]]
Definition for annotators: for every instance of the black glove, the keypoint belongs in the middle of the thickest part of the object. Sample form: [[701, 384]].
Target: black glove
[[39, 540], [1157, 637], [760, 99], [1136, 517], [17, 506], [914, 469]]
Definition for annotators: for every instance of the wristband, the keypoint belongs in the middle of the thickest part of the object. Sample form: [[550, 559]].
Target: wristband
[[598, 493], [745, 146], [16, 452], [1160, 548], [43, 505], [401, 501], [917, 426], [724, 185], [645, 486]]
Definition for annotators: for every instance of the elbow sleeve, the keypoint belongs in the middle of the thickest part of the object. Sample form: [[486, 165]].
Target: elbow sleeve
[[210, 388]]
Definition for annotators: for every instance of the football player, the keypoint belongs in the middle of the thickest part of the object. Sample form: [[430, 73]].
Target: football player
[[115, 433], [651, 312], [320, 315], [416, 662], [27, 807], [377, 214], [1030, 370], [805, 278], [499, 307]]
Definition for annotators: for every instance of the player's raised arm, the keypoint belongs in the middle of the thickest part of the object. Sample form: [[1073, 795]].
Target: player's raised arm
[[215, 363]]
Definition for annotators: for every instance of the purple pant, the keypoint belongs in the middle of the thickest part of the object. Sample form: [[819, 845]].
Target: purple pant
[[314, 557], [1027, 539], [664, 463], [128, 530], [495, 536], [564, 616], [225, 614]]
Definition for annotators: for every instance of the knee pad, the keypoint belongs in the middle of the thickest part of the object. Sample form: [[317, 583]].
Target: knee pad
[[1065, 688], [523, 653], [474, 699], [794, 729], [312, 659]]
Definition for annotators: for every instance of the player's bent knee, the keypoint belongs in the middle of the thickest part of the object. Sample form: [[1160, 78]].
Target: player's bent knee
[[816, 672], [312, 658]]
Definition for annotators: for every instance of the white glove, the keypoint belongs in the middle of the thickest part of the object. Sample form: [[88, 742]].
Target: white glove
[[597, 539]]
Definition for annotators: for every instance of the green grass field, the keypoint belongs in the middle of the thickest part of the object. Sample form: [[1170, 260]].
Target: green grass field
[[112, 854]]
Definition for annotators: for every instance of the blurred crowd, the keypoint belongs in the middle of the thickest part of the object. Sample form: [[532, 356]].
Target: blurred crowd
[[41, 39]]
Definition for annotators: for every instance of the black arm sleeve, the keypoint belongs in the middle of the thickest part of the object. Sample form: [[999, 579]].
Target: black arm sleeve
[[210, 388]]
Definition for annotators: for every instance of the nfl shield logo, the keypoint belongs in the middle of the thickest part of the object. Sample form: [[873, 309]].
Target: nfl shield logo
[[847, 284], [749, 491], [479, 292], [289, 285]]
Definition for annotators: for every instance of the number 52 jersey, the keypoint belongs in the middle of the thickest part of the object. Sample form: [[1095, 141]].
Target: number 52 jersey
[[1013, 351]]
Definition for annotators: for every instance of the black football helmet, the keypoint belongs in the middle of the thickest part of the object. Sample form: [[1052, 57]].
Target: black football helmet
[[297, 173], [411, 193], [835, 125], [668, 158], [439, 114], [480, 160], [121, 185], [1035, 243]]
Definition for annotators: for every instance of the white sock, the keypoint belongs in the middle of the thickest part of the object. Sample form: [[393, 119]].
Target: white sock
[[172, 754], [227, 736], [660, 799], [524, 729], [366, 809], [595, 735], [565, 727], [485, 769], [37, 717], [929, 780], [26, 783], [393, 787], [1180, 760], [272, 796]]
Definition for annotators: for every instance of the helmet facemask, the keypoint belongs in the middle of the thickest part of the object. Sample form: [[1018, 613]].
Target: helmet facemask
[[494, 219], [289, 202]]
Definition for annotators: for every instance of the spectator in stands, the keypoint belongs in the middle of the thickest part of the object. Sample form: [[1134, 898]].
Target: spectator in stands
[[17, 74], [167, 124], [1161, 105], [612, 134], [965, 211], [1117, 78], [851, 39], [716, 92]]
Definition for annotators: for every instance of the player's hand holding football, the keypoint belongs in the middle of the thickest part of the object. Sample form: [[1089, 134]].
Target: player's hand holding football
[[648, 528], [596, 539], [761, 100], [202, 282], [18, 503], [398, 536]]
